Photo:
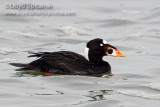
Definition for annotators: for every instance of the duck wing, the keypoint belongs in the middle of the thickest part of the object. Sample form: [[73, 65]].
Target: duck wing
[[62, 62]]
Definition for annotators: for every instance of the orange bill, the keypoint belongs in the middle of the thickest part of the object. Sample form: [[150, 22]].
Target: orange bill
[[119, 54]]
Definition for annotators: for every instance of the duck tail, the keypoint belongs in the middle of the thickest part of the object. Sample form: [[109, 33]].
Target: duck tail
[[23, 67], [19, 65]]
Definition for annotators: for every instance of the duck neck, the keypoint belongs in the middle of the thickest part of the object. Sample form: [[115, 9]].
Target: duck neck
[[98, 65], [95, 59]]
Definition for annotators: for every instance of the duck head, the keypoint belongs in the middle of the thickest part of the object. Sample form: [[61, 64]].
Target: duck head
[[97, 48]]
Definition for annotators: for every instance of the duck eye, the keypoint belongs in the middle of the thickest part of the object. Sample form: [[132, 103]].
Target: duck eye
[[101, 44]]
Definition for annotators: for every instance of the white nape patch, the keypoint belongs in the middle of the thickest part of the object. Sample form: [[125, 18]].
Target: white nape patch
[[101, 44], [86, 51], [105, 42]]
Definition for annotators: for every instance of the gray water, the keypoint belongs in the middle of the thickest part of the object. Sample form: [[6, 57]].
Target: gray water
[[133, 26]]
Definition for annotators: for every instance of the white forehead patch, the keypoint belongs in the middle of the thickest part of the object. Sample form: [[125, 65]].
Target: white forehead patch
[[86, 51], [105, 42]]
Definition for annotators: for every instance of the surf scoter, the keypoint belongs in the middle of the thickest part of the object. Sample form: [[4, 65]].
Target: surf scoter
[[70, 63]]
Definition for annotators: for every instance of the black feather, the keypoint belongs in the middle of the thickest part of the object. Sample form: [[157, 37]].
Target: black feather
[[19, 64]]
